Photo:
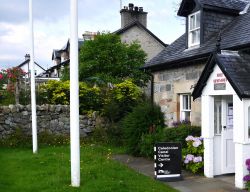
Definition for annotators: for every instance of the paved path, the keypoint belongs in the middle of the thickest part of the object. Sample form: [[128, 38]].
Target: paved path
[[191, 183]]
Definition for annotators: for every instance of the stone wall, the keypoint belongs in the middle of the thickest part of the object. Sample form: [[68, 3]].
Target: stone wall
[[54, 119], [169, 84]]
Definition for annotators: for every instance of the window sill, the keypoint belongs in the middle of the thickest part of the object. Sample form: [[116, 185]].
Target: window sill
[[192, 47]]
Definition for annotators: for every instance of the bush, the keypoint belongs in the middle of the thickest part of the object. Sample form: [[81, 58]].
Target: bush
[[144, 119], [58, 92], [120, 100], [148, 141], [179, 134], [193, 154]]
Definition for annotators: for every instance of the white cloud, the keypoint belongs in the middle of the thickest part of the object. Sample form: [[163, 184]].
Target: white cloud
[[51, 25]]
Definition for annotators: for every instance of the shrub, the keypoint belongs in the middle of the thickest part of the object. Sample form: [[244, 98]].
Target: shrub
[[246, 178], [148, 141], [91, 98], [121, 99], [58, 92], [179, 134], [193, 154], [142, 120]]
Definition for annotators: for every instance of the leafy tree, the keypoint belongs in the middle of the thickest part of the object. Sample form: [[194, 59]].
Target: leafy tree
[[109, 60]]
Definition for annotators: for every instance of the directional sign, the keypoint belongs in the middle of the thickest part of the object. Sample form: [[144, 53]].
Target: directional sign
[[168, 161]]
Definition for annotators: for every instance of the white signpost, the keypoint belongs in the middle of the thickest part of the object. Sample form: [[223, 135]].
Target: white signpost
[[74, 96], [32, 80]]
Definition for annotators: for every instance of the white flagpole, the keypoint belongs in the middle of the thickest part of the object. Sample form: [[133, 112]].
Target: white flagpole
[[32, 80], [120, 4], [74, 96]]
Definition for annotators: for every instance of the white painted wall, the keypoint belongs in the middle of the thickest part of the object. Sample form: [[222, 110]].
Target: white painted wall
[[240, 130]]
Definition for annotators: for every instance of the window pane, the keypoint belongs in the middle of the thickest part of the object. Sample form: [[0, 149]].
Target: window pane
[[195, 36], [186, 102], [197, 24], [217, 117], [192, 22]]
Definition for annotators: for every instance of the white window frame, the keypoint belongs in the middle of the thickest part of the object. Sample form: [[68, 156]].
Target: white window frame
[[195, 29], [183, 110]]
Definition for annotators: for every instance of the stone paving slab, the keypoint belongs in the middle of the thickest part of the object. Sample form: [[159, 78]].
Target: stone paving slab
[[190, 182]]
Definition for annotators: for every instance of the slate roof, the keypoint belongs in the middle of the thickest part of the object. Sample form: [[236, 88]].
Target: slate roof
[[236, 68], [56, 54], [230, 6], [234, 36], [138, 24], [51, 69]]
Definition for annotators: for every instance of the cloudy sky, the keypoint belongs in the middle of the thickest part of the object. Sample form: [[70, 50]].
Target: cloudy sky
[[51, 24]]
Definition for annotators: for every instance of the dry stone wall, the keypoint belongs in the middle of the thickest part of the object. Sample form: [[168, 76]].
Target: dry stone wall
[[54, 119]]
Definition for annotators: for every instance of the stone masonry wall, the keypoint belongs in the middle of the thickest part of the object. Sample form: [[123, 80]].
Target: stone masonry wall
[[148, 43], [169, 84], [54, 119]]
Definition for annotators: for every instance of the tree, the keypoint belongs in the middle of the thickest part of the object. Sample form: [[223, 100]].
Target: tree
[[107, 59]]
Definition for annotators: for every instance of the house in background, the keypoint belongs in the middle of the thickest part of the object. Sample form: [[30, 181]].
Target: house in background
[[194, 67], [25, 66], [60, 59], [134, 29]]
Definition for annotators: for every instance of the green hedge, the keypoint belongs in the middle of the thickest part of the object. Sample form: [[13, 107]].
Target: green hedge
[[179, 134]]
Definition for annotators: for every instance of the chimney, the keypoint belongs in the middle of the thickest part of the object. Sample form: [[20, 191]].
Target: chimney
[[133, 13], [26, 57]]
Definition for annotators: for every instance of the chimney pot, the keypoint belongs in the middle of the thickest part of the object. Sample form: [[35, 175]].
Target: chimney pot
[[131, 6], [136, 9], [26, 57], [141, 9]]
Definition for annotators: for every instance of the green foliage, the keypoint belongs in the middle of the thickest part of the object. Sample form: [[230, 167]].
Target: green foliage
[[6, 98], [179, 134], [16, 139], [58, 92], [65, 74], [121, 99], [91, 98], [148, 141], [142, 120], [108, 59]]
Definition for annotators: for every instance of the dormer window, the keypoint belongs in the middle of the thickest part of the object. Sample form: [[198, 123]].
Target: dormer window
[[194, 29]]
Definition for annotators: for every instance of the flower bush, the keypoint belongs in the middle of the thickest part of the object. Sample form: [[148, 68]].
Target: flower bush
[[12, 77], [246, 178], [193, 154]]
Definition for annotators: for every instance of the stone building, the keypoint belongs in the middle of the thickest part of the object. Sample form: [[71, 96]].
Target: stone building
[[178, 67], [203, 77], [134, 29]]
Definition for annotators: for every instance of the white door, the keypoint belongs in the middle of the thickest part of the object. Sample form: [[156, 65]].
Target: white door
[[224, 157], [227, 145]]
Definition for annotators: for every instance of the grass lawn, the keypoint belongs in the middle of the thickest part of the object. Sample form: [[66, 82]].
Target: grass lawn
[[49, 170]]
